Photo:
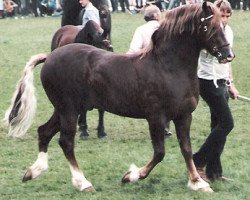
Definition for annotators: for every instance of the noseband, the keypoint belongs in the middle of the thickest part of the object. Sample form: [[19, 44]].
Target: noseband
[[216, 50]]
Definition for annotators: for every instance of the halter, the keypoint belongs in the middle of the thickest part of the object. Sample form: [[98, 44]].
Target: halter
[[216, 49], [203, 19], [206, 18]]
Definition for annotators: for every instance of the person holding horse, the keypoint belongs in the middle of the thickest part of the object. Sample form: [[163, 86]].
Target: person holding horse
[[142, 36], [216, 85]]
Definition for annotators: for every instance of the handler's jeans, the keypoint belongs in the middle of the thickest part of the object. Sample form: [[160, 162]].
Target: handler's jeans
[[221, 125]]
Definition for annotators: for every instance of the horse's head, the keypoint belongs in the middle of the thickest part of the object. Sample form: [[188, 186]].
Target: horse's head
[[211, 34], [99, 41]]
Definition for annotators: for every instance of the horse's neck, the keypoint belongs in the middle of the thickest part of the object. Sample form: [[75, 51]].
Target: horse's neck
[[178, 55], [181, 50]]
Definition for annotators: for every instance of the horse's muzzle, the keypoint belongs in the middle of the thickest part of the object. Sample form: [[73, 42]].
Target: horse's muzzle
[[225, 56]]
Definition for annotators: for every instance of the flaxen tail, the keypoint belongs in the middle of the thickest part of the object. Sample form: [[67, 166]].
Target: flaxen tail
[[21, 112]]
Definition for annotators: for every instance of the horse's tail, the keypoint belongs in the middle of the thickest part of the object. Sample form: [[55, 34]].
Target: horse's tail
[[23, 105]]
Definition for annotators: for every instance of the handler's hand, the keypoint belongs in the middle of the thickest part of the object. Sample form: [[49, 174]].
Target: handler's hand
[[234, 94]]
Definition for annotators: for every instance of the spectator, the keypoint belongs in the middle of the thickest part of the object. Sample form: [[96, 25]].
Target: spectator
[[90, 12], [1, 9], [246, 4], [216, 85], [114, 4], [47, 7], [9, 7], [123, 4]]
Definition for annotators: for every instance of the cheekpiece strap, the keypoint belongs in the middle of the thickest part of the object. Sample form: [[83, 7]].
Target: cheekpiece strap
[[206, 18]]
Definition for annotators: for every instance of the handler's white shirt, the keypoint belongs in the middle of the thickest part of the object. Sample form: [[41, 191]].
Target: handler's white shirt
[[142, 36], [209, 67]]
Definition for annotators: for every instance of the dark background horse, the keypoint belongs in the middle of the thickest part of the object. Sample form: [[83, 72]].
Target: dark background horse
[[158, 85], [72, 14], [91, 34]]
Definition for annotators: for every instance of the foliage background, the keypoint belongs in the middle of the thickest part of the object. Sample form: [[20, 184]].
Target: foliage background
[[105, 162]]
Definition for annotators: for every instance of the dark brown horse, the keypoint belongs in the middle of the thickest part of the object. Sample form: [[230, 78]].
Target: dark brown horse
[[72, 14], [158, 85], [91, 34]]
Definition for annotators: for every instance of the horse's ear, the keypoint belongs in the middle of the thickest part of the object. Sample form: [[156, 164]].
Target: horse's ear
[[207, 9]]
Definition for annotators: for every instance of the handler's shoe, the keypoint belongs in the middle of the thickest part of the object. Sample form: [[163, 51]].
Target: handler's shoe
[[222, 179]]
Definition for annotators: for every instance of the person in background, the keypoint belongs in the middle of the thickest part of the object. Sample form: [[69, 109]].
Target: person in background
[[1, 9], [142, 36], [47, 7], [9, 7], [246, 5], [114, 4], [216, 85], [123, 4], [90, 12]]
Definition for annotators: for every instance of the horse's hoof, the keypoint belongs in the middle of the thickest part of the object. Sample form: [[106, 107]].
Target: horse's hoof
[[132, 175], [206, 189], [27, 176], [89, 189], [125, 178], [199, 185], [102, 135]]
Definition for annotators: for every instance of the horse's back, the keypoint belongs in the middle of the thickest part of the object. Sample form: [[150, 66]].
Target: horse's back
[[64, 35], [91, 70]]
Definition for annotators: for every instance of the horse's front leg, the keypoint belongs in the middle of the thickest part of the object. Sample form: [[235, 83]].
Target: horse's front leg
[[100, 129], [182, 130], [156, 128]]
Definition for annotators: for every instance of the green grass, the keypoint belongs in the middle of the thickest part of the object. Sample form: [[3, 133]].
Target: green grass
[[104, 162]]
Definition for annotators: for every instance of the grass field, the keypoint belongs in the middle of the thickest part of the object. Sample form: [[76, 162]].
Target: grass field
[[105, 162]]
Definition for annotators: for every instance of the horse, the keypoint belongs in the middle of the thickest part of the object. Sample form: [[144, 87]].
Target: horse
[[158, 84], [72, 14], [91, 34]]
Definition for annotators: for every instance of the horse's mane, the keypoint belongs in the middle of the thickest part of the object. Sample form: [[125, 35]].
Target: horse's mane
[[184, 19]]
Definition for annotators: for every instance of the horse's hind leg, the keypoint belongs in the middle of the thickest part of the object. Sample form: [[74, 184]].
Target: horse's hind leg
[[45, 134], [157, 136], [100, 129], [182, 131], [83, 127], [68, 122]]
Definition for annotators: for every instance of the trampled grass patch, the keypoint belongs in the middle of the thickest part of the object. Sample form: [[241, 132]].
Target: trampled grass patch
[[105, 162]]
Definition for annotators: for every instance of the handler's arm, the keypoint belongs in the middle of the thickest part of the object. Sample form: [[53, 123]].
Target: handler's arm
[[234, 94]]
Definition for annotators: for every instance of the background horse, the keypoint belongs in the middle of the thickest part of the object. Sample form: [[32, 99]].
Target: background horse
[[72, 14], [158, 85], [91, 34]]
